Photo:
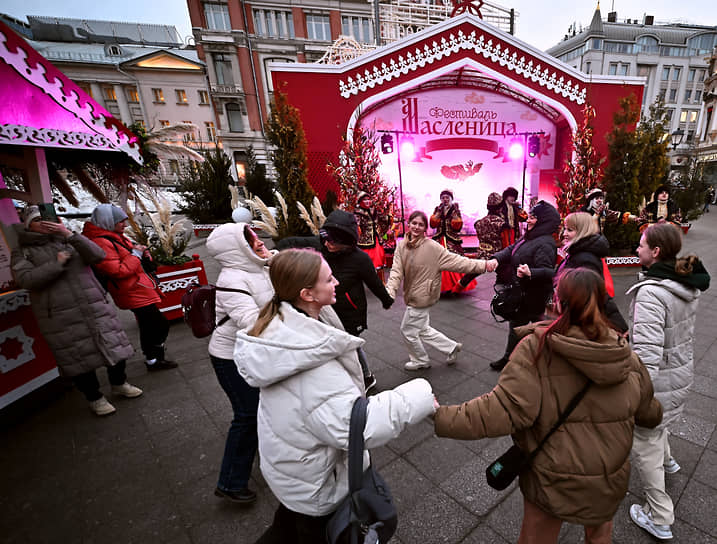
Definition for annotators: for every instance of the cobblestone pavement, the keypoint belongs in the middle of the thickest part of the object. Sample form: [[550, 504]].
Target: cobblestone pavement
[[147, 473]]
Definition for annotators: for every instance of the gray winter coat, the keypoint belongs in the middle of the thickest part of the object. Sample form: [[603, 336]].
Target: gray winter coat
[[663, 324], [72, 310]]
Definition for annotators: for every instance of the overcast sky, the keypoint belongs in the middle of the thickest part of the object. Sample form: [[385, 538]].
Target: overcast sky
[[541, 24]]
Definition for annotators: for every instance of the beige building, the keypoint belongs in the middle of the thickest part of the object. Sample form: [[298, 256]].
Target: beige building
[[140, 73], [707, 130]]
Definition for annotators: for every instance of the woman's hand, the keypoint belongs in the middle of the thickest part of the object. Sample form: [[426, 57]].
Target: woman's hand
[[523, 271], [63, 256], [491, 265], [56, 228]]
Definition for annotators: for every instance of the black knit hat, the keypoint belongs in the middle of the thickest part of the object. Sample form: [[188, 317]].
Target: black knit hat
[[340, 227], [662, 189], [510, 191]]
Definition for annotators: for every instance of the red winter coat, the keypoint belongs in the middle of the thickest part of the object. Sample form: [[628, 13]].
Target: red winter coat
[[130, 286]]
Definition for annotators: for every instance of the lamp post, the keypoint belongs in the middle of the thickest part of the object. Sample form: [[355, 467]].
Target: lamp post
[[387, 144], [676, 138], [530, 146]]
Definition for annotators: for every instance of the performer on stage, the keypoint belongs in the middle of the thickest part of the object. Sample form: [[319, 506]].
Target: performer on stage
[[488, 231], [512, 215], [368, 229], [595, 205], [661, 210], [448, 222]]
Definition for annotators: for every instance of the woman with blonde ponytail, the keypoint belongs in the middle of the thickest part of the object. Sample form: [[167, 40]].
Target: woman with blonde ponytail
[[308, 372], [663, 313]]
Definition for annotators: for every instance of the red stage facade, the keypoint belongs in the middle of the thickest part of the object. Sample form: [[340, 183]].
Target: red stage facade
[[463, 91]]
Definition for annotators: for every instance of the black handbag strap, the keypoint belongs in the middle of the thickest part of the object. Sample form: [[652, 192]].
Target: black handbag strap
[[568, 410], [356, 429], [226, 317]]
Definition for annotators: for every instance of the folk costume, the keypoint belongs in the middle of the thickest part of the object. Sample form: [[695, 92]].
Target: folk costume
[[512, 215], [660, 209], [601, 212], [368, 230], [448, 222]]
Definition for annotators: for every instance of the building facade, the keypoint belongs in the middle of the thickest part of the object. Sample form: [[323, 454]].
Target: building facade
[[140, 73], [239, 40], [671, 58], [707, 130]]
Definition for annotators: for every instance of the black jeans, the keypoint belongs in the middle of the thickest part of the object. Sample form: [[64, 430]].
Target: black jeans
[[513, 337], [293, 528], [88, 384], [153, 331], [241, 445]]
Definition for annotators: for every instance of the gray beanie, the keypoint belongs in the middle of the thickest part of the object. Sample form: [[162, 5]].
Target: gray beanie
[[106, 216], [31, 212]]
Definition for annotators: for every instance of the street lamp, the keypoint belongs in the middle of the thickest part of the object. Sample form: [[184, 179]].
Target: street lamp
[[403, 144], [676, 138]]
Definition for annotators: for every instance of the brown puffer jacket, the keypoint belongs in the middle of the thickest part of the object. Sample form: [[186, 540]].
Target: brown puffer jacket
[[75, 316], [581, 473]]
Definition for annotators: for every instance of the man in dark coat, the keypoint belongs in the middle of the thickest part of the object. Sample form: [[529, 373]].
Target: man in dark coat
[[352, 268]]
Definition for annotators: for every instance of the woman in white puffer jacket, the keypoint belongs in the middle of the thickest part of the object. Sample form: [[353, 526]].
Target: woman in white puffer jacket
[[309, 374], [244, 266]]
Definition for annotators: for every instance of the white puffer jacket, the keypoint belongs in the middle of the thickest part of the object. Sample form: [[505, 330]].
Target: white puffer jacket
[[309, 376], [241, 269], [662, 320]]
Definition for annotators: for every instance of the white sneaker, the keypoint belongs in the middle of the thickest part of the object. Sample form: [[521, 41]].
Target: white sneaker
[[102, 407], [672, 466], [453, 355], [644, 520], [414, 365], [126, 390]]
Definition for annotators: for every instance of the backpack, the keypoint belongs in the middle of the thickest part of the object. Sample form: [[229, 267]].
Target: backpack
[[199, 308]]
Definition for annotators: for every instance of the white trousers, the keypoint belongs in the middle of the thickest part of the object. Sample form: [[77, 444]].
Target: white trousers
[[651, 450], [416, 330]]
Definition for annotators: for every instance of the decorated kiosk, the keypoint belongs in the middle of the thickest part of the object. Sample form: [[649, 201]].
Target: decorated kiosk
[[42, 111], [464, 106]]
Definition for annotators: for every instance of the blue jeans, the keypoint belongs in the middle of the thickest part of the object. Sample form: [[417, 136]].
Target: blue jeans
[[242, 440]]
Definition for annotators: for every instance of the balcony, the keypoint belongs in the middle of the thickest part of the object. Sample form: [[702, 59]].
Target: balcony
[[230, 90]]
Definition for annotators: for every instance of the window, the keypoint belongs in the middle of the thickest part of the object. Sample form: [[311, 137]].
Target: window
[[612, 70], [646, 44], [211, 131], [691, 74], [701, 75], [189, 136], [223, 69], [86, 87], [688, 95], [109, 93], [690, 136], [668, 115], [164, 122], [587, 68], [217, 16], [661, 94], [666, 73], [273, 23], [703, 44], [318, 27], [236, 123], [203, 98], [643, 70], [174, 167], [596, 44], [157, 96], [683, 116], [698, 95], [132, 95], [181, 96], [673, 95], [623, 69], [676, 73], [361, 28], [693, 116]]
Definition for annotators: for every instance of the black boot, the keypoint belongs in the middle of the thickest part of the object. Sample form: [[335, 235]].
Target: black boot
[[499, 364]]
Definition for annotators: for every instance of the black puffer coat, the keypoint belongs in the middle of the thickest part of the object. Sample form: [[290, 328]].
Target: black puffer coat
[[537, 249], [588, 252], [73, 313]]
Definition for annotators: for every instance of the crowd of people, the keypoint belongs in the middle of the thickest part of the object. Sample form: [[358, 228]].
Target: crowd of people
[[288, 354]]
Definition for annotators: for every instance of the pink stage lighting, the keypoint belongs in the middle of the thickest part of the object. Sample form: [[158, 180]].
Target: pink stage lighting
[[408, 149], [515, 151]]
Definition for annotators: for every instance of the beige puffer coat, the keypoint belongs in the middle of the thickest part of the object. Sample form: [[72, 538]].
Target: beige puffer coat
[[419, 264], [581, 473], [73, 312]]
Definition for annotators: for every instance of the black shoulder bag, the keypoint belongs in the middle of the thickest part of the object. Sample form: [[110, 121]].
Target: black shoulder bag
[[501, 472], [367, 515]]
